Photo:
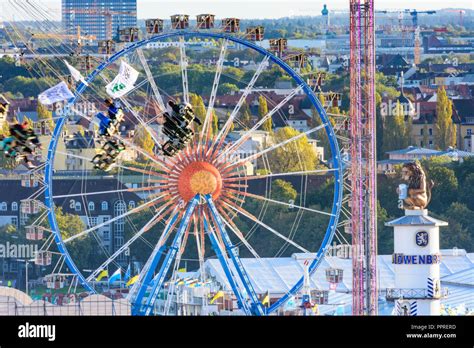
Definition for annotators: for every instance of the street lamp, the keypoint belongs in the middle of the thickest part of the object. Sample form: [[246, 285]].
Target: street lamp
[[27, 262]]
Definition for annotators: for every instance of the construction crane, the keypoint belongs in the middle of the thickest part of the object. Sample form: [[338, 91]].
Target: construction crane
[[416, 32], [461, 15], [414, 16], [108, 14], [77, 37]]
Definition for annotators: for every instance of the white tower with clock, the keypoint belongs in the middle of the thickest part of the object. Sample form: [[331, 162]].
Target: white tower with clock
[[416, 261]]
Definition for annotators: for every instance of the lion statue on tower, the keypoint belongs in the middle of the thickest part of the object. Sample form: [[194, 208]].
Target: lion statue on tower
[[418, 193]]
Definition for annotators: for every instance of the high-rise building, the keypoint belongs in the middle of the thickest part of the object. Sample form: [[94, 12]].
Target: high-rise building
[[101, 18]]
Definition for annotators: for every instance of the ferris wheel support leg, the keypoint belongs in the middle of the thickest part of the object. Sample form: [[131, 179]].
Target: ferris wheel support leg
[[148, 271], [257, 308], [227, 270], [173, 250]]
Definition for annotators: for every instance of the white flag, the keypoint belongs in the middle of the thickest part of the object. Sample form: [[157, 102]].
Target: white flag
[[76, 75], [123, 82], [55, 94]]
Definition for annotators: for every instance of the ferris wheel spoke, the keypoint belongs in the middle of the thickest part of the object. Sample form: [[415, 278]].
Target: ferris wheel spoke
[[145, 125], [133, 169], [183, 63], [210, 108], [136, 115], [121, 216], [290, 205], [268, 228], [125, 141], [227, 126], [275, 175], [152, 222], [136, 87], [268, 116], [154, 159], [138, 189], [276, 146], [233, 227], [151, 79]]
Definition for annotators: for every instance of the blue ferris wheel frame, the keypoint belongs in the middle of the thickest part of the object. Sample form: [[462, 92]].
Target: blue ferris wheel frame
[[335, 152]]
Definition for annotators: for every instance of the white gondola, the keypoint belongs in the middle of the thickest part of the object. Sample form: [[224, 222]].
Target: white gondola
[[55, 281], [334, 275], [29, 206], [320, 297], [34, 232], [43, 258], [28, 180]]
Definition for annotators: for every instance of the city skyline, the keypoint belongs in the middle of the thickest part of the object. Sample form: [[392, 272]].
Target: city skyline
[[261, 9]]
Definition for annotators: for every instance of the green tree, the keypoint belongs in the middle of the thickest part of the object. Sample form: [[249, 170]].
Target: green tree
[[396, 130], [384, 233], [445, 188], [84, 249], [467, 192], [199, 109], [379, 125], [44, 114], [322, 137], [295, 156], [144, 140], [215, 123], [246, 116], [445, 129], [227, 88], [262, 112], [283, 191]]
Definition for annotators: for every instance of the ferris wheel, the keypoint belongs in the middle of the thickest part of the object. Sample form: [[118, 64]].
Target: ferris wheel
[[211, 200]]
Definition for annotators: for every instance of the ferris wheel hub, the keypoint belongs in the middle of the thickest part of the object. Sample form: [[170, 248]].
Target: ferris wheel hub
[[199, 178]]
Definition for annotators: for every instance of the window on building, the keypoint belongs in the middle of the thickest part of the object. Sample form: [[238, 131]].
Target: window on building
[[469, 131], [3, 206], [131, 204], [421, 131], [430, 131], [92, 221], [91, 206], [105, 205], [15, 221], [77, 206], [14, 206]]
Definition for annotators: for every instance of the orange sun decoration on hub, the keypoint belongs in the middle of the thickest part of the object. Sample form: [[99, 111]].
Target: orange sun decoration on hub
[[199, 178]]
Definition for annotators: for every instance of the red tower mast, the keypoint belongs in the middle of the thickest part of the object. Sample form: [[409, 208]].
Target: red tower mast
[[363, 157]]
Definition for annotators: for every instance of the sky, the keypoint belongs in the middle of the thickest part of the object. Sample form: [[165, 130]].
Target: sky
[[253, 8]]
